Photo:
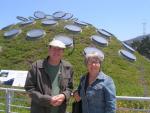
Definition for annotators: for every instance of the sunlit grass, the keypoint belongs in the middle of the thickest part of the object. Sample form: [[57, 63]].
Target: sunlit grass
[[18, 54]]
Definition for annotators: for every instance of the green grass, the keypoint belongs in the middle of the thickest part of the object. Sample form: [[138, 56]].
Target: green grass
[[131, 78]]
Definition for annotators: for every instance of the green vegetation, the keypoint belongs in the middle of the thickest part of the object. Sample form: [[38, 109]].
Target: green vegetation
[[143, 46], [131, 78]]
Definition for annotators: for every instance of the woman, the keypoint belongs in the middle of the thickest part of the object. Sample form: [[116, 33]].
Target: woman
[[96, 90]]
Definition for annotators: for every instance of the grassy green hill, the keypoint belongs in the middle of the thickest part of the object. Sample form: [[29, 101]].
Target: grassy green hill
[[131, 78]]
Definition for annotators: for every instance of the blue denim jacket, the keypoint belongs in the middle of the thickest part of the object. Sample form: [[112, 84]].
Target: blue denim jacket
[[100, 96]]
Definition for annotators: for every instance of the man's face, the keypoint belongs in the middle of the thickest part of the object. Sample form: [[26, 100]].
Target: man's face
[[55, 53]]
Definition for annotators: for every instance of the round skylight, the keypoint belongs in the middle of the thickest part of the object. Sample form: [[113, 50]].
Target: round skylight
[[73, 28], [80, 23], [65, 39], [49, 22], [22, 18], [104, 33], [39, 14], [12, 33], [58, 14], [99, 40], [27, 23], [35, 34], [49, 17], [67, 16], [127, 55], [7, 27], [74, 19], [31, 18], [89, 50], [128, 47]]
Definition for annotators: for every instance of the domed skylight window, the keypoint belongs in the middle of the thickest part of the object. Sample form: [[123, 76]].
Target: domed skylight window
[[67, 16], [128, 47], [89, 50], [35, 34], [39, 14], [12, 33], [65, 39], [104, 33], [99, 40], [22, 18], [49, 22], [127, 55], [58, 14], [73, 28]]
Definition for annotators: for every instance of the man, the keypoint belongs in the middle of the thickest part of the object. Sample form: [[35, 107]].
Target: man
[[49, 81]]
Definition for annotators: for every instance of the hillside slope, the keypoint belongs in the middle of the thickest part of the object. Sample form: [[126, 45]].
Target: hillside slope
[[131, 78]]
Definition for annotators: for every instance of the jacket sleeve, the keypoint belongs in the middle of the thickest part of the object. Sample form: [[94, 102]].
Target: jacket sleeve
[[79, 86], [67, 92], [30, 86], [110, 96]]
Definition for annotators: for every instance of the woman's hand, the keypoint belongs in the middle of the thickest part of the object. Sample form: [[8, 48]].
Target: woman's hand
[[76, 96]]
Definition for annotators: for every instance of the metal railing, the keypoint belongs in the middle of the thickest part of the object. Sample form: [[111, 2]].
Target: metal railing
[[8, 96]]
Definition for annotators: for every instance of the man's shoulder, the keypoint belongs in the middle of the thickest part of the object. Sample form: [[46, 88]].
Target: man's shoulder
[[66, 63], [39, 63]]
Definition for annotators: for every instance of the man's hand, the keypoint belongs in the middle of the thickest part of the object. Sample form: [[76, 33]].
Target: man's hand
[[57, 100]]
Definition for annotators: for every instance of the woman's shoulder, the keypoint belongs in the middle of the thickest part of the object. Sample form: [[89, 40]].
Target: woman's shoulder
[[83, 77], [106, 78]]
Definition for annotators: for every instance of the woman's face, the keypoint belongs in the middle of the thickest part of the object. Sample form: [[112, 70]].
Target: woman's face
[[93, 65]]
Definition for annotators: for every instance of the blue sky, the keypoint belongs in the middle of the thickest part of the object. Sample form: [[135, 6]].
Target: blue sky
[[123, 18]]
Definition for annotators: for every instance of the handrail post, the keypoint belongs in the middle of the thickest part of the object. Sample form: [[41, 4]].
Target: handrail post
[[8, 101]]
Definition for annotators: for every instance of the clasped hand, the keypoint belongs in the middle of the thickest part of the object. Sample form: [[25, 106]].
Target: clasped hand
[[57, 100]]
